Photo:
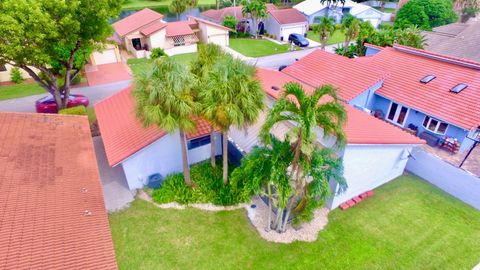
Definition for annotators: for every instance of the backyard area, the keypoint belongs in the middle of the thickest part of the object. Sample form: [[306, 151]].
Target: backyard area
[[406, 224], [337, 37], [139, 4], [20, 90], [257, 47], [139, 65]]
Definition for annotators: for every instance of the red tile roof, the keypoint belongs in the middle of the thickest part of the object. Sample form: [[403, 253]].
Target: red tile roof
[[122, 134], [194, 20], [287, 16], [180, 28], [406, 66], [153, 27], [350, 77], [52, 213], [361, 128], [136, 21], [218, 15]]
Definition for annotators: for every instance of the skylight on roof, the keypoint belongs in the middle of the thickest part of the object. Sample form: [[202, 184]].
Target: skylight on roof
[[458, 88], [427, 79]]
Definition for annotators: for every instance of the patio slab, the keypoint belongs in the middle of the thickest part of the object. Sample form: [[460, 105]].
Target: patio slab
[[107, 73], [472, 164]]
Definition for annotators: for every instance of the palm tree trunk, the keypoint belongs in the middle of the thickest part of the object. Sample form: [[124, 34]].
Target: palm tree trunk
[[323, 43], [269, 219], [345, 45], [382, 5], [225, 157], [218, 4], [186, 169], [278, 221], [212, 142]]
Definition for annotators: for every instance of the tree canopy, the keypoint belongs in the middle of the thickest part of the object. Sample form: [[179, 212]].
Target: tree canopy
[[425, 14], [55, 37]]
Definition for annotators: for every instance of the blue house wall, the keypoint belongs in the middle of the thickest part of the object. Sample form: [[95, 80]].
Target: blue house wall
[[320, 13], [416, 118], [366, 98]]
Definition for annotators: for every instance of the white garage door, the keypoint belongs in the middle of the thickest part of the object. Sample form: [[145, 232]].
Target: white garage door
[[220, 40], [106, 57], [300, 29]]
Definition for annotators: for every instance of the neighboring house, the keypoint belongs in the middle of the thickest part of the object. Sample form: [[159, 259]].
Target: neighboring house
[[109, 55], [387, 83], [376, 152], [456, 39], [314, 10], [145, 30], [146, 151], [283, 22], [245, 24], [5, 73], [52, 209]]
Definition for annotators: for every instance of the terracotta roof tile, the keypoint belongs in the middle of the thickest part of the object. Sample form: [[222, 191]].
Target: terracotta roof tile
[[180, 28], [48, 179], [122, 134], [287, 16], [406, 66], [136, 21], [320, 67], [153, 27], [361, 128]]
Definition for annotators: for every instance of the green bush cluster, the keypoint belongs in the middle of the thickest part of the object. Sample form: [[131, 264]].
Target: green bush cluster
[[425, 14], [208, 187], [157, 53], [239, 35], [78, 110], [16, 76]]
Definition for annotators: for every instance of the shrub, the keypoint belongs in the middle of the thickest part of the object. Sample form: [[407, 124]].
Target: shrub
[[230, 22], [78, 110], [209, 187], [425, 14], [157, 52], [16, 76]]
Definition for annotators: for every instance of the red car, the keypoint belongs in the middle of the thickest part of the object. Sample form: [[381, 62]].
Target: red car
[[47, 104]]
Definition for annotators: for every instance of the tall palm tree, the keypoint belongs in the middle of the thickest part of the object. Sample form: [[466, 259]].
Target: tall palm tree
[[208, 55], [255, 9], [178, 6], [351, 28], [411, 36], [164, 98], [325, 29], [234, 98], [306, 113]]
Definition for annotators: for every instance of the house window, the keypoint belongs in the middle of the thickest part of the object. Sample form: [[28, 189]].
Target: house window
[[137, 44], [397, 114], [195, 143], [179, 41], [435, 125], [3, 68]]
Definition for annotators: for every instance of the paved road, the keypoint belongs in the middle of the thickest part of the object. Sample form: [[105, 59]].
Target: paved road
[[276, 60], [94, 93]]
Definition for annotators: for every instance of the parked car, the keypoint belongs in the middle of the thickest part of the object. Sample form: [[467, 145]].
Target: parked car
[[47, 104], [298, 40]]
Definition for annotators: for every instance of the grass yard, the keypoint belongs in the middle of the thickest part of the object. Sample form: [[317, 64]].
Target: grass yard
[[139, 65], [407, 224], [337, 37], [386, 10], [257, 47], [139, 4], [20, 90]]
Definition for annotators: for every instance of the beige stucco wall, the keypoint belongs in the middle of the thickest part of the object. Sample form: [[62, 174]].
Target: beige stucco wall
[[157, 40], [5, 75], [210, 33]]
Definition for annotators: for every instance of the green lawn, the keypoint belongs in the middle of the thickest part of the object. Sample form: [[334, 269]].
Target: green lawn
[[139, 65], [407, 224], [337, 37], [20, 90], [386, 10], [139, 4], [257, 47]]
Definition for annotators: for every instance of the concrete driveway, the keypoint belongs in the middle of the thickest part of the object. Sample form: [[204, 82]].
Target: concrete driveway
[[277, 60], [94, 93], [116, 193]]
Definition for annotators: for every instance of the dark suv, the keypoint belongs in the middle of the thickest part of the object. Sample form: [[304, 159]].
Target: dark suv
[[298, 40]]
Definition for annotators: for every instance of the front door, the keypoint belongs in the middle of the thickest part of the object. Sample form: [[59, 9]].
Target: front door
[[137, 44], [397, 114]]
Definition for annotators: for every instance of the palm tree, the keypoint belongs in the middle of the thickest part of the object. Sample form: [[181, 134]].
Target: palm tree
[[325, 29], [306, 113], [178, 6], [164, 98], [208, 55], [255, 9], [234, 98], [411, 36], [351, 28]]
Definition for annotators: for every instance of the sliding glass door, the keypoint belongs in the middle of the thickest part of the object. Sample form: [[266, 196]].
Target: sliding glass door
[[397, 114]]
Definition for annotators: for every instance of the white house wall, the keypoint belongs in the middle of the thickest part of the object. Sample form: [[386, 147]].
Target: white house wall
[[157, 40], [212, 34], [163, 156], [368, 166], [5, 75], [181, 49]]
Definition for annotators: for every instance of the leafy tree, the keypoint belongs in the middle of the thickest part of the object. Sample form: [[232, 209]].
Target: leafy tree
[[255, 9], [208, 55], [325, 29], [164, 98], [178, 6], [351, 28], [425, 14], [234, 98], [55, 37], [306, 114], [411, 36], [230, 22], [366, 31]]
